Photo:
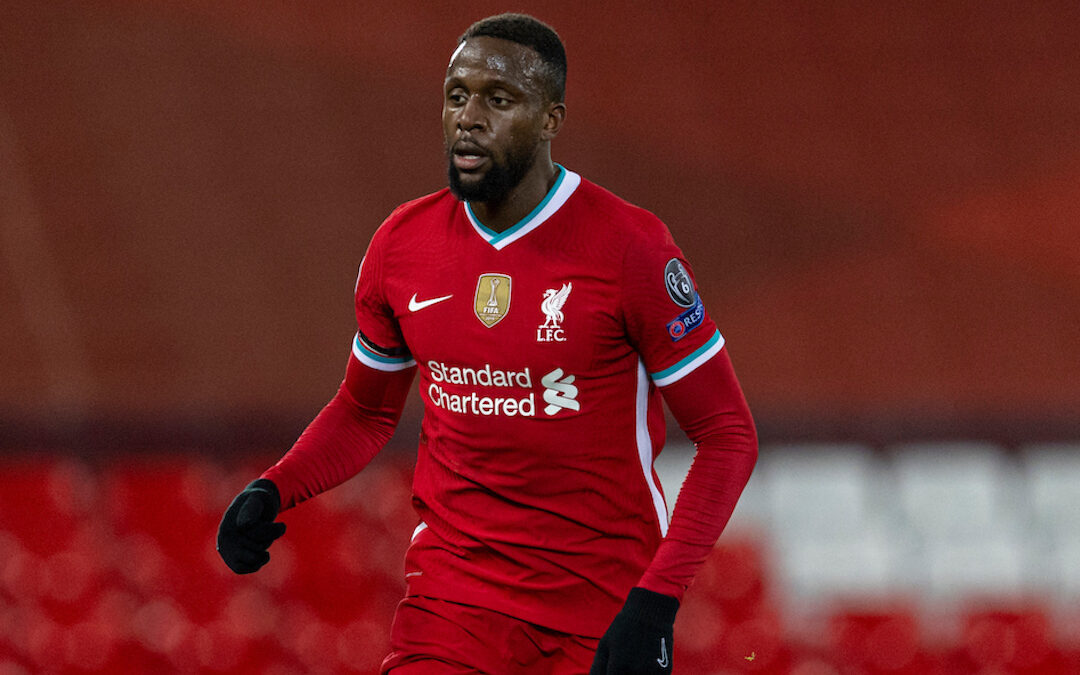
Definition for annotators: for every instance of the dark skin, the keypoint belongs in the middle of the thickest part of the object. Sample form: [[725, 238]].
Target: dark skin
[[495, 107]]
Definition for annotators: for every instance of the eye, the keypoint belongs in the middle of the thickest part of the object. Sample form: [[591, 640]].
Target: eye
[[500, 101], [456, 97]]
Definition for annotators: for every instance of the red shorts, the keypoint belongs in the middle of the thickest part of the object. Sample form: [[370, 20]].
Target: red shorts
[[436, 637]]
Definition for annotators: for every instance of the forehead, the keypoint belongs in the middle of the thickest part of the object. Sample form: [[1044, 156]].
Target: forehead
[[489, 58]]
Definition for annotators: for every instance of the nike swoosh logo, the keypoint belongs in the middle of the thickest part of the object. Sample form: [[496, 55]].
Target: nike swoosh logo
[[415, 306], [663, 660]]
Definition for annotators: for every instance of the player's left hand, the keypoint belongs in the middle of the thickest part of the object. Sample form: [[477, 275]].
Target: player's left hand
[[639, 640]]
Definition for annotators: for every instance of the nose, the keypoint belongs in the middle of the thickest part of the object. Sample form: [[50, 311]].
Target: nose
[[471, 115]]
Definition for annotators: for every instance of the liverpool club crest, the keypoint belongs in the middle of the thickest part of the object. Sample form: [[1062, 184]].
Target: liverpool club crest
[[492, 301], [552, 304]]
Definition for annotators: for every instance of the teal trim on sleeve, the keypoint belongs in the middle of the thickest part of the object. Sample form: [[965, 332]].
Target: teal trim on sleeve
[[668, 372]]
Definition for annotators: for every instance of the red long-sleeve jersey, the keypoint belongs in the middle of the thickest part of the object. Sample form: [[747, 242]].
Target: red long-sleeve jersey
[[542, 352]]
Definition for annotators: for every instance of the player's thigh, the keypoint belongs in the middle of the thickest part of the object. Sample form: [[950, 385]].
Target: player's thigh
[[442, 638], [566, 654], [437, 637]]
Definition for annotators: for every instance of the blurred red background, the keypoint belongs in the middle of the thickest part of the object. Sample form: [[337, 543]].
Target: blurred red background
[[880, 201]]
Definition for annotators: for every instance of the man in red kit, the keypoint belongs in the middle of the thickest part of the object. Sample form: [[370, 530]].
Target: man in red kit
[[545, 317]]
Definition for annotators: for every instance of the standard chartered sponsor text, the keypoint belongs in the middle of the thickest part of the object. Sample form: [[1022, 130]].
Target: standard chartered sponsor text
[[473, 402], [476, 404], [486, 376]]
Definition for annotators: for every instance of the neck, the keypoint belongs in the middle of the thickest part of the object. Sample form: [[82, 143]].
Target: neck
[[503, 214]]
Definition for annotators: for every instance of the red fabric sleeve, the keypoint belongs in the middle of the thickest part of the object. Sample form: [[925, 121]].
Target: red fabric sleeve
[[658, 292], [341, 440], [709, 406]]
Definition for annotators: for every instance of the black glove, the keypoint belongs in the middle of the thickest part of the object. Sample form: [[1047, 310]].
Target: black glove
[[248, 527], [639, 640]]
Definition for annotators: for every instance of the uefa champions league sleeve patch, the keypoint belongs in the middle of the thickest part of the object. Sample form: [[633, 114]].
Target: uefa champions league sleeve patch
[[679, 286], [687, 321]]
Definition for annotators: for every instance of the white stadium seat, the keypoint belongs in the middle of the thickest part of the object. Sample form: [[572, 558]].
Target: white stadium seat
[[820, 491], [993, 565], [1052, 482], [951, 491]]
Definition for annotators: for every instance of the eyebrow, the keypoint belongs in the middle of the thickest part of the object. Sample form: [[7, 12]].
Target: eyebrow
[[497, 83]]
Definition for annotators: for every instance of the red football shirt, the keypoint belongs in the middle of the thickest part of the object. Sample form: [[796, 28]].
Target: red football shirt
[[540, 351]]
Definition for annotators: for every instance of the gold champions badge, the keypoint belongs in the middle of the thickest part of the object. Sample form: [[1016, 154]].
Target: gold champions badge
[[492, 300]]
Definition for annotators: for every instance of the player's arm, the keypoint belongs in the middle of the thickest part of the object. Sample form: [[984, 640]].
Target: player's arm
[[687, 359], [347, 434], [710, 407]]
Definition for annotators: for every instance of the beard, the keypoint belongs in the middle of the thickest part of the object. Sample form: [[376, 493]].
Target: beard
[[497, 182]]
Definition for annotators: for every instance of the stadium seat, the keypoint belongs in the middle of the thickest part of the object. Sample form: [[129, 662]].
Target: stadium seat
[[993, 565], [1061, 572], [951, 491], [43, 499], [735, 576], [831, 531], [362, 645], [756, 645], [1013, 638], [340, 562], [1051, 474], [215, 647], [68, 581], [309, 640], [881, 640], [164, 513], [813, 570], [169, 498], [37, 638], [701, 625], [819, 491]]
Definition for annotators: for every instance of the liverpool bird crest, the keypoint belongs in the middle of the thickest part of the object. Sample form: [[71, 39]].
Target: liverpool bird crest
[[552, 304]]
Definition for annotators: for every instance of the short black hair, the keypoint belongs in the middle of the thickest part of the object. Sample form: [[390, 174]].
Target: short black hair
[[533, 33]]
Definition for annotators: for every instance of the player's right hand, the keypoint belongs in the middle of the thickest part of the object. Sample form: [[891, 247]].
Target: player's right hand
[[248, 528]]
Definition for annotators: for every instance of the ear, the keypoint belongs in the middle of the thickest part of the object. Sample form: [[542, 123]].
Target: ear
[[553, 121]]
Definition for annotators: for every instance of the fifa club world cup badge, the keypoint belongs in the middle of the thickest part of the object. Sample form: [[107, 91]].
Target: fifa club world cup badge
[[552, 304], [492, 301]]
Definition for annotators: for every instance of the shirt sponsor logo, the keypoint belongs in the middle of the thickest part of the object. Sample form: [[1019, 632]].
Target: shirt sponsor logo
[[473, 402], [492, 300], [454, 388], [485, 376], [679, 286], [687, 321], [559, 392], [552, 304]]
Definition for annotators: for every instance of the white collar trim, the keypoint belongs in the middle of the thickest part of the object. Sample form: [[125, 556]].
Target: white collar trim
[[565, 185]]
